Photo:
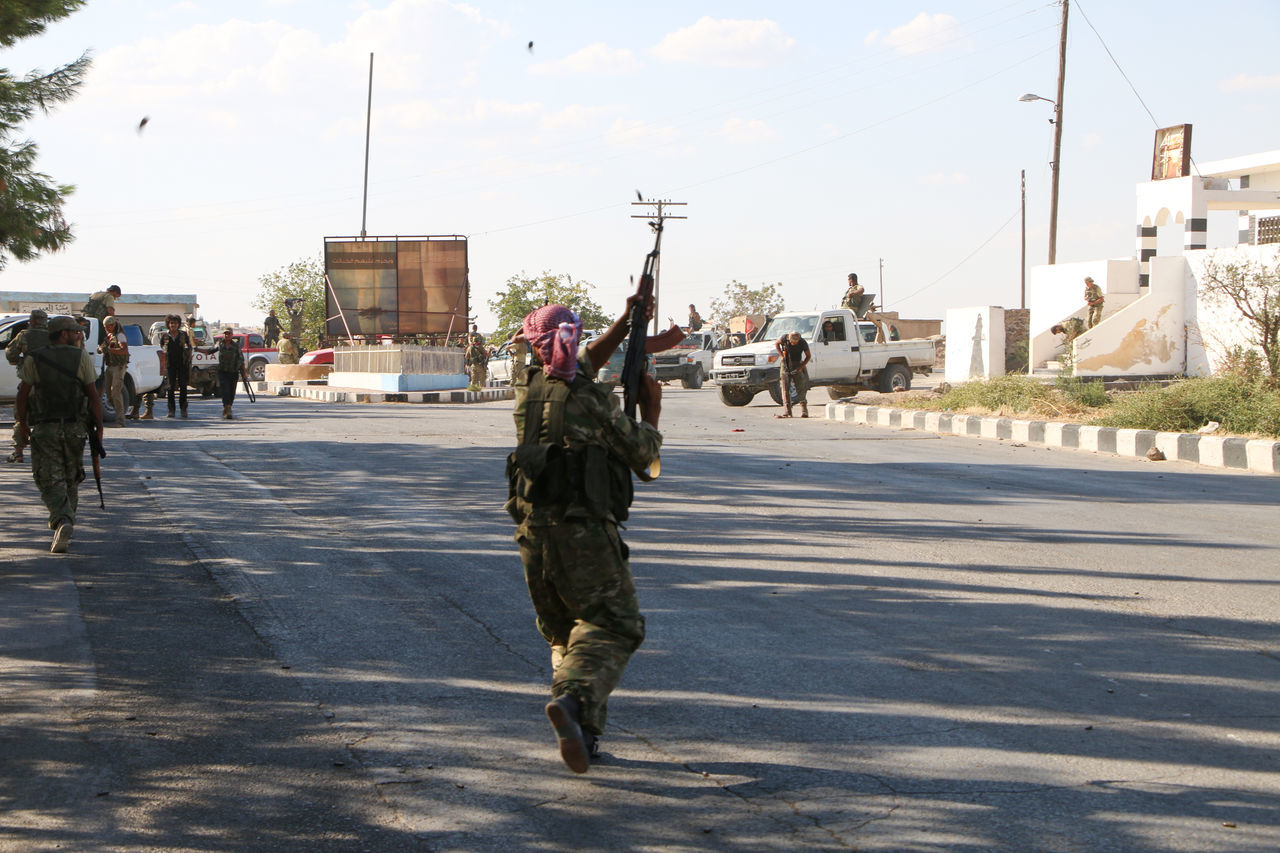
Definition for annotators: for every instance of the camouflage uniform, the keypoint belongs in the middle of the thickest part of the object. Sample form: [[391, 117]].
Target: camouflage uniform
[[34, 337], [1072, 328], [477, 361], [570, 486], [58, 416], [1094, 298], [519, 357], [288, 351], [99, 305]]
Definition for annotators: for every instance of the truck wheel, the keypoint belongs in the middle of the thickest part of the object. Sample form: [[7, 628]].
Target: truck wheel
[[895, 377], [736, 395], [258, 369], [841, 392], [695, 380], [776, 393]]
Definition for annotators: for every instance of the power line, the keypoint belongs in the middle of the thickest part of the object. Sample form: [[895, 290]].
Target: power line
[[981, 246]]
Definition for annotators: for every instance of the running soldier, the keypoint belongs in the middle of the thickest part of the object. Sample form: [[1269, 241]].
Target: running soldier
[[35, 336], [570, 487], [56, 395], [1094, 299]]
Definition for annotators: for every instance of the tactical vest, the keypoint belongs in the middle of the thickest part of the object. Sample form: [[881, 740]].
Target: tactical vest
[[116, 359], [96, 307], [58, 396], [30, 338], [552, 475]]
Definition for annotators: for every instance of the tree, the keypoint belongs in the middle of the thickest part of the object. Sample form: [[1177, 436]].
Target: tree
[[302, 279], [1253, 288], [525, 294], [740, 299], [31, 219]]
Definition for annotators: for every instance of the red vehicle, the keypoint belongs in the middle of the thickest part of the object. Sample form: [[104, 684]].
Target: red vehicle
[[317, 356]]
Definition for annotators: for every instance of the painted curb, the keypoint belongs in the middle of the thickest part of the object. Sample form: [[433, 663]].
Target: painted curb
[[1261, 456], [359, 395]]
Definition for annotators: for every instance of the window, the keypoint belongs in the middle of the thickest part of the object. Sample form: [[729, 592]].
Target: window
[[868, 333], [833, 329], [256, 342]]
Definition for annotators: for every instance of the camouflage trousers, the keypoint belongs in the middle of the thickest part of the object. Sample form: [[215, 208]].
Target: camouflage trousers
[[580, 584], [478, 374], [18, 443], [57, 466], [1095, 316], [115, 389]]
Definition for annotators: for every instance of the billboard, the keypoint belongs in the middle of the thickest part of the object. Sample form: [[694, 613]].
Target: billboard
[[402, 286], [1172, 156]]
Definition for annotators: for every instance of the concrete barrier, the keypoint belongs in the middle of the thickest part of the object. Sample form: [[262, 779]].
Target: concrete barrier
[[1258, 455]]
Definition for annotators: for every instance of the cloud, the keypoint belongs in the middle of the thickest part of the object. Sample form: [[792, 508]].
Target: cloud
[[1251, 83], [597, 59], [725, 43], [633, 133], [924, 34], [939, 179], [739, 131]]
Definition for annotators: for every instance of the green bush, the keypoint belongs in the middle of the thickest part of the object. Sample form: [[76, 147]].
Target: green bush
[[1240, 406], [1014, 392], [1083, 392]]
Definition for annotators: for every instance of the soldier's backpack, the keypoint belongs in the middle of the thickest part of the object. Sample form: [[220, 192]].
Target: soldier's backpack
[[96, 307]]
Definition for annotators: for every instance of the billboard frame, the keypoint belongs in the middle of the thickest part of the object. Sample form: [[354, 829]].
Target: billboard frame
[[461, 311]]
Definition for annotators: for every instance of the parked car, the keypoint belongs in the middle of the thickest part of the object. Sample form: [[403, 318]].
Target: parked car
[[611, 373], [690, 361], [257, 355], [317, 356]]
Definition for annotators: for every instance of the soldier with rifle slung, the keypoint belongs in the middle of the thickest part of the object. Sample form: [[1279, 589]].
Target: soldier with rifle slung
[[58, 408], [35, 336]]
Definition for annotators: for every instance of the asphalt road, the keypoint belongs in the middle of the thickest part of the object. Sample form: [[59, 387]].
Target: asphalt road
[[307, 630]]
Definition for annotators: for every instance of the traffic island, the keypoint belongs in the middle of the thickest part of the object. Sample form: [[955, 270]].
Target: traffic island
[[329, 394], [1246, 454]]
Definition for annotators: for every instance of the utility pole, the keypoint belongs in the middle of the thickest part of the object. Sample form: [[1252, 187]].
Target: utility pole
[[368, 123], [1057, 137], [1023, 268], [882, 284], [657, 217]]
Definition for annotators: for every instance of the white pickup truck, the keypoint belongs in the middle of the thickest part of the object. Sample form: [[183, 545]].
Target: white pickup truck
[[145, 372], [846, 358], [690, 361]]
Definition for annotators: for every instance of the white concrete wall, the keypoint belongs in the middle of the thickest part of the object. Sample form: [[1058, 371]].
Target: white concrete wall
[[975, 343], [1212, 330], [1057, 292], [1146, 337]]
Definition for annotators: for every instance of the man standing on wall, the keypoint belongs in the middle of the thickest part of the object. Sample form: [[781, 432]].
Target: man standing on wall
[[56, 394], [271, 328]]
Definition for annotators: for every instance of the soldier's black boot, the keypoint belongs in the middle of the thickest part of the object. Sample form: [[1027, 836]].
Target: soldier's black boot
[[184, 411], [172, 412], [563, 712]]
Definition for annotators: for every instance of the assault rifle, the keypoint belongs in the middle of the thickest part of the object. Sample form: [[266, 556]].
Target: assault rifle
[[633, 368], [96, 452]]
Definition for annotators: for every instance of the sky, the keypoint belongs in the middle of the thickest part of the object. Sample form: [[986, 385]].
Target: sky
[[808, 139]]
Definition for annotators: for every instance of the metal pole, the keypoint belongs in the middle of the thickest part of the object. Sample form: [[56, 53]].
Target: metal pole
[[1023, 268], [1057, 138], [882, 284], [368, 121]]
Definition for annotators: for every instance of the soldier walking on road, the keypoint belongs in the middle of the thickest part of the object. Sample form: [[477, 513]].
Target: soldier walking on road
[[56, 394], [116, 351], [791, 369], [570, 487], [178, 347], [230, 368], [476, 359], [35, 336]]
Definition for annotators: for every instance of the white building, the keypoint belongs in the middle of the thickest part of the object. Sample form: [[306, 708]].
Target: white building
[[1155, 323]]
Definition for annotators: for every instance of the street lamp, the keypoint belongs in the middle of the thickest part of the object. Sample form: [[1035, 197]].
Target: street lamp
[[1056, 166]]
